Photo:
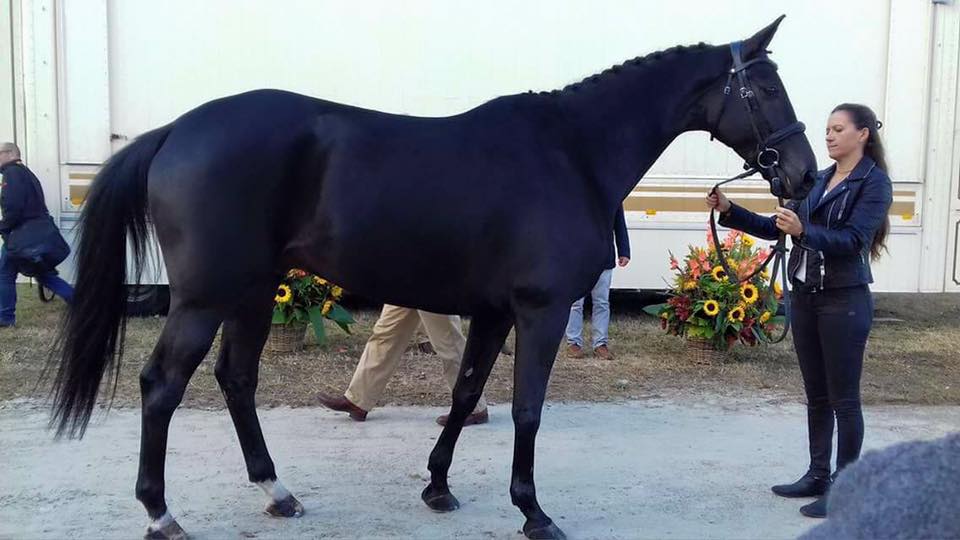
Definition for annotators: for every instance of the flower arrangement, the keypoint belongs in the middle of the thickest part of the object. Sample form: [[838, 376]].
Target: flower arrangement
[[705, 304], [304, 298]]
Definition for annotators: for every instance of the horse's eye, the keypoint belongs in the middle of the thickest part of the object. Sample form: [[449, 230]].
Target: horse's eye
[[771, 90]]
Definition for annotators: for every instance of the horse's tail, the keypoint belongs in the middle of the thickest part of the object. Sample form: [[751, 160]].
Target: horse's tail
[[92, 333]]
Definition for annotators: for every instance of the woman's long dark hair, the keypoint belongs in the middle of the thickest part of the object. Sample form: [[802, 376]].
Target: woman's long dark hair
[[864, 117]]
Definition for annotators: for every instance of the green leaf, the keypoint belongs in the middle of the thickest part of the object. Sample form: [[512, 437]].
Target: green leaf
[[761, 337], [316, 321], [654, 309], [342, 317], [700, 331], [337, 313], [279, 317]]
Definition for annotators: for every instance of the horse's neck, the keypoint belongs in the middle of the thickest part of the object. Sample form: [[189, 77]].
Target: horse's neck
[[625, 120]]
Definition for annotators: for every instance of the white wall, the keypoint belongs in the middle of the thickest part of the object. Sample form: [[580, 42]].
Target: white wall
[[440, 57], [95, 67]]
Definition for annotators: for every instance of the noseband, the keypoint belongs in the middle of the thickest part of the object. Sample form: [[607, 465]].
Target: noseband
[[767, 159]]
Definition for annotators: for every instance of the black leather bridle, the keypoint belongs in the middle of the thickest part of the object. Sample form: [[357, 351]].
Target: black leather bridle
[[767, 161]]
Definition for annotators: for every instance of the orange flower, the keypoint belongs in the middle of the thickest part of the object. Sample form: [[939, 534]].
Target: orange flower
[[730, 239]]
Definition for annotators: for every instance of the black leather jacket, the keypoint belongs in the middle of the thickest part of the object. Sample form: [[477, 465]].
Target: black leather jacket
[[838, 228]]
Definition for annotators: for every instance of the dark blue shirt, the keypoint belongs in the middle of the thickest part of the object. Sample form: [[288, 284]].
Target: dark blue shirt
[[621, 239]]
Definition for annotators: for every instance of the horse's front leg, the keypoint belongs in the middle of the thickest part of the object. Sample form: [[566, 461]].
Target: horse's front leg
[[538, 337]]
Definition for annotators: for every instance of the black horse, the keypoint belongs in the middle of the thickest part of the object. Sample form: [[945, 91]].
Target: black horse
[[503, 213]]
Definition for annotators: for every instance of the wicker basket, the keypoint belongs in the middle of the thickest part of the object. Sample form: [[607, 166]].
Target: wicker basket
[[703, 352], [285, 338]]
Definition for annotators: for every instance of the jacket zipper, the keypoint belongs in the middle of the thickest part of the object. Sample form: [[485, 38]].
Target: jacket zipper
[[823, 264], [843, 204]]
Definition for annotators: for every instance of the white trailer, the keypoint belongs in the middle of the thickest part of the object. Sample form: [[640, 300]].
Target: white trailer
[[80, 78]]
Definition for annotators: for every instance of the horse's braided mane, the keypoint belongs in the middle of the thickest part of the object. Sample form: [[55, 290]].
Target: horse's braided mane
[[640, 62]]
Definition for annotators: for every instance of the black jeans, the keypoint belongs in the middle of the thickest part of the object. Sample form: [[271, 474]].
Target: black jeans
[[830, 330]]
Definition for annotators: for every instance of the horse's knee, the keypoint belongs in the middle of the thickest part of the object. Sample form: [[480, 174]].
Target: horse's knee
[[161, 392], [229, 377], [526, 419]]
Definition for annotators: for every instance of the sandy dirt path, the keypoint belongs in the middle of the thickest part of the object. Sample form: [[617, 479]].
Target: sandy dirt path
[[690, 467]]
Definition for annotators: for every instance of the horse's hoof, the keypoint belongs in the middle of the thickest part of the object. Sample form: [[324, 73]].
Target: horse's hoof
[[171, 531], [439, 501], [539, 531], [289, 507]]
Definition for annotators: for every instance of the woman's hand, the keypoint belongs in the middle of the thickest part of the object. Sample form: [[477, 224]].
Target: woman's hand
[[716, 200], [623, 261], [788, 222]]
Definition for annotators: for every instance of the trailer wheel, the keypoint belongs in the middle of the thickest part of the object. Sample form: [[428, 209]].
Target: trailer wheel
[[147, 300]]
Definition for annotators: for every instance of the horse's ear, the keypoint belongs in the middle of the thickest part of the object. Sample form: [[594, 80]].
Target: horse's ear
[[759, 42]]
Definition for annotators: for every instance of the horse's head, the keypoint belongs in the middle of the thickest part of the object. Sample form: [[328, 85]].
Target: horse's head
[[753, 115]]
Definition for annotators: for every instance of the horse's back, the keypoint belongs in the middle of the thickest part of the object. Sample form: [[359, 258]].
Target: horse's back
[[268, 178]]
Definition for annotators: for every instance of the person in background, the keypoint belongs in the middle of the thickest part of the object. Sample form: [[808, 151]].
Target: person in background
[[21, 199], [600, 295], [381, 356]]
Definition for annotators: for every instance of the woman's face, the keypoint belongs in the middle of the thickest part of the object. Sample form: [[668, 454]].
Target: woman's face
[[843, 137]]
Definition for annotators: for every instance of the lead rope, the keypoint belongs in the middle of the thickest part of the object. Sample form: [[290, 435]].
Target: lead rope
[[777, 255]]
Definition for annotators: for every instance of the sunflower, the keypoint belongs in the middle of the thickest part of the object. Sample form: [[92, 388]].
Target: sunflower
[[765, 317], [689, 285], [765, 275], [718, 273], [284, 294], [337, 292], [777, 290], [749, 293], [736, 314], [327, 306], [747, 241], [711, 307], [319, 280]]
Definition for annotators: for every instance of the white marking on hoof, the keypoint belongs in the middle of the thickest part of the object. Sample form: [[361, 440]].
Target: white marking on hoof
[[161, 522], [274, 489]]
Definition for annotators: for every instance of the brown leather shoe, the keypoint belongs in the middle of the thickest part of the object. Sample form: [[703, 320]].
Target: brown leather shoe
[[481, 417], [342, 404], [574, 351], [603, 352]]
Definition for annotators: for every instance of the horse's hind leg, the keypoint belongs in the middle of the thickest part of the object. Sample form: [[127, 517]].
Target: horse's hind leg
[[487, 333], [185, 340], [244, 334]]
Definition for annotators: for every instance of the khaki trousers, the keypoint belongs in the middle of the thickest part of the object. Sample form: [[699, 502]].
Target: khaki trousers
[[391, 336]]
